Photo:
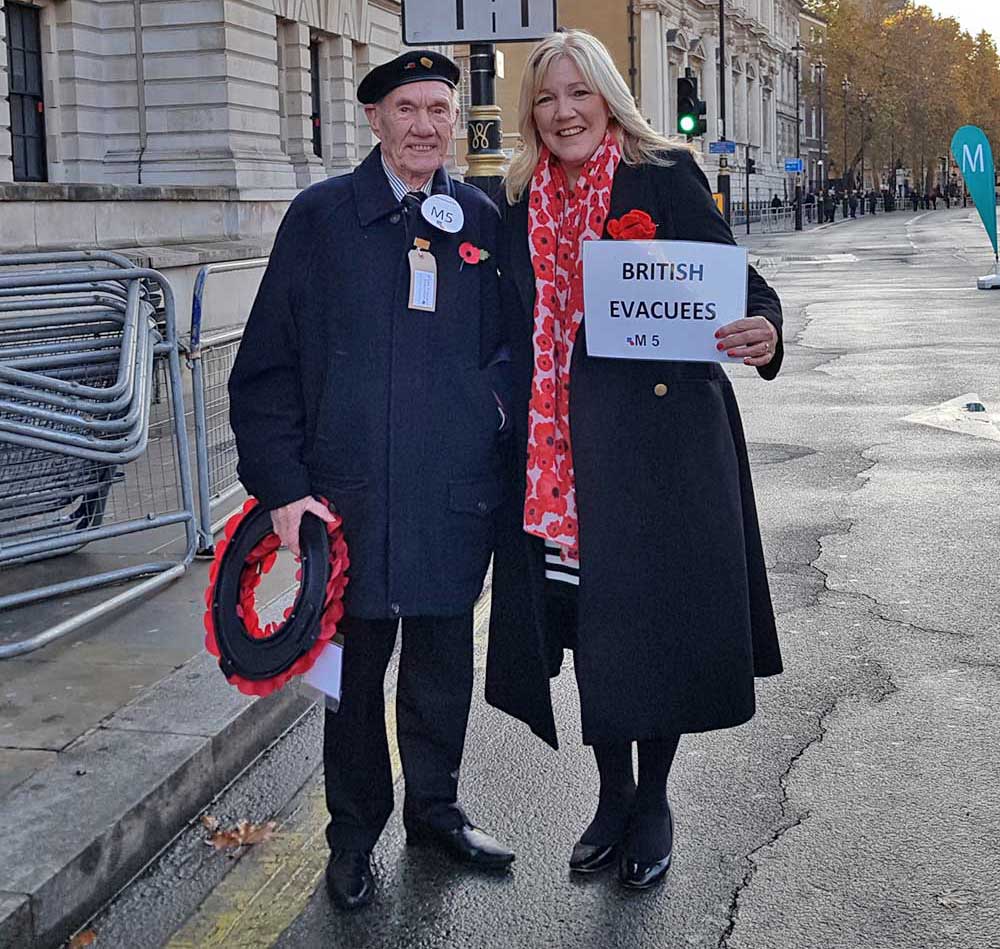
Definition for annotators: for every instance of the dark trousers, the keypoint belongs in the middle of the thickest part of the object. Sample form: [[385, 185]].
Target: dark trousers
[[433, 695]]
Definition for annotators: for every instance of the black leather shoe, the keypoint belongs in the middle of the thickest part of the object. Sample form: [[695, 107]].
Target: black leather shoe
[[640, 875], [466, 843], [349, 878], [591, 858]]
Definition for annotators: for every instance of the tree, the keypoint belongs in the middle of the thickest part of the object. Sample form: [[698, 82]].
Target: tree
[[924, 75]]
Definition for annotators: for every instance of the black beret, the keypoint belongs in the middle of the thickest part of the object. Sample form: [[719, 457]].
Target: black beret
[[416, 65]]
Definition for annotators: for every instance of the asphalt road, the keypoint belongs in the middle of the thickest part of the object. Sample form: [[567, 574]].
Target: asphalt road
[[861, 807]]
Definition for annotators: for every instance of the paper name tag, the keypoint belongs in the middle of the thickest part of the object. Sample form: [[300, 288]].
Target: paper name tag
[[423, 281], [444, 212]]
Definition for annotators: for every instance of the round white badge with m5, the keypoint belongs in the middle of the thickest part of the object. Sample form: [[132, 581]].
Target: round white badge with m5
[[444, 213]]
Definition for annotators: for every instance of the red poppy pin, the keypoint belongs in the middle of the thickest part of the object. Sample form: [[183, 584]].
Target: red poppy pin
[[633, 225], [471, 254]]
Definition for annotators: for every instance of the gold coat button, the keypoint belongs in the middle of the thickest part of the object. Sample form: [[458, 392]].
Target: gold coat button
[[660, 389]]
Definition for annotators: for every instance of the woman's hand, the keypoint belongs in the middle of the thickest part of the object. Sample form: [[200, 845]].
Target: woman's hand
[[754, 339]]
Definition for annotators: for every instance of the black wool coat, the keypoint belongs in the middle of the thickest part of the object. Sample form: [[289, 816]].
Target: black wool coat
[[342, 391], [675, 615]]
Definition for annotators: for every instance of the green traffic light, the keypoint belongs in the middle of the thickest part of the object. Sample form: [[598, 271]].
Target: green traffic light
[[687, 124]]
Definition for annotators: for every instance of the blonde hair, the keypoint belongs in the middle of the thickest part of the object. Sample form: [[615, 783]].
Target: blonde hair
[[639, 141]]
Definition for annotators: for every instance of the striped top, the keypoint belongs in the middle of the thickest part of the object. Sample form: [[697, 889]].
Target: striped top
[[557, 569], [397, 184]]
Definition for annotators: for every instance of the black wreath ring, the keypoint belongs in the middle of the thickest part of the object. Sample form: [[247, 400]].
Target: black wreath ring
[[256, 660]]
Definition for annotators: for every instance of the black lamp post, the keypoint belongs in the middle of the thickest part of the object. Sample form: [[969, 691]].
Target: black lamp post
[[845, 85], [820, 67], [796, 50], [863, 98], [486, 158], [724, 185]]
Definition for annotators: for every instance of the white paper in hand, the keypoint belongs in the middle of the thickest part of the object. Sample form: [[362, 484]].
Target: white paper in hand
[[661, 299], [325, 674]]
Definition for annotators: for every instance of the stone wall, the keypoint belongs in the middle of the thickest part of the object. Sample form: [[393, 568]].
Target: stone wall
[[219, 94]]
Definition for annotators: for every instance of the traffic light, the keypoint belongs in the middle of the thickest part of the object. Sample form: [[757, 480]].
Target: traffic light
[[690, 109], [751, 165]]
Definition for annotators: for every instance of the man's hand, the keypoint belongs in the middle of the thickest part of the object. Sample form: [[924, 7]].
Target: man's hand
[[754, 339], [286, 520]]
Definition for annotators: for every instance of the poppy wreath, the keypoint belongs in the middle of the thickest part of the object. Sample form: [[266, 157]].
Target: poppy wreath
[[633, 225], [259, 661]]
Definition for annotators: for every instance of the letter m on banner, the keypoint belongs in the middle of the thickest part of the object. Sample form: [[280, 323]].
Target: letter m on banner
[[973, 163], [973, 155]]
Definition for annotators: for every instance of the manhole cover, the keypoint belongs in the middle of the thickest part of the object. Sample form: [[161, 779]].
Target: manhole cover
[[775, 453]]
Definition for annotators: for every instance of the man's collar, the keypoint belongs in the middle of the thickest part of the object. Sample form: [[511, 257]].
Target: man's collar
[[372, 195], [398, 186]]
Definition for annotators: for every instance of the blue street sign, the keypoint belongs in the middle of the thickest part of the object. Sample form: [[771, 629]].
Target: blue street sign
[[793, 165], [722, 148]]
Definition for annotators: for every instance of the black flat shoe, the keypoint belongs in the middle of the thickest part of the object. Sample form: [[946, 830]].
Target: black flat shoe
[[349, 878], [591, 858], [467, 844], [640, 874]]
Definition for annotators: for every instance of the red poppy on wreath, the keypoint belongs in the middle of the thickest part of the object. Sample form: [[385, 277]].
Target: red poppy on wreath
[[471, 254], [634, 225]]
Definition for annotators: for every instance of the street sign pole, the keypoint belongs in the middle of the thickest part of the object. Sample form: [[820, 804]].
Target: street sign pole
[[748, 188], [724, 188], [797, 49], [485, 131], [481, 24]]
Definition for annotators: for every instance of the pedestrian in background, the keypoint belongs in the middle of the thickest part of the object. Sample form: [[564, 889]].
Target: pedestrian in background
[[351, 387], [853, 204], [830, 206], [629, 476]]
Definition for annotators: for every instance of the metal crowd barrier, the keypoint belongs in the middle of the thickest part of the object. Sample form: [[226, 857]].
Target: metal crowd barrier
[[773, 220], [93, 443], [210, 357]]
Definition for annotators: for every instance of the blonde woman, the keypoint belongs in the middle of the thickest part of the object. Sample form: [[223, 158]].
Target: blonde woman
[[632, 534]]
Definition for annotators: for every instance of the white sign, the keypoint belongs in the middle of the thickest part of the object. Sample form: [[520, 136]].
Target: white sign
[[661, 299], [433, 22], [444, 212]]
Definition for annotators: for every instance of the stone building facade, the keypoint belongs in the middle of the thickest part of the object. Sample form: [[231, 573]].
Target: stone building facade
[[194, 92], [815, 141], [759, 74], [654, 41]]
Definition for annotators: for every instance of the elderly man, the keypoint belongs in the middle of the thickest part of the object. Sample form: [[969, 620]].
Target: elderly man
[[370, 374]]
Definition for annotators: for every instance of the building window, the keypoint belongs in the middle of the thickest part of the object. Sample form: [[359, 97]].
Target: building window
[[316, 119], [27, 108]]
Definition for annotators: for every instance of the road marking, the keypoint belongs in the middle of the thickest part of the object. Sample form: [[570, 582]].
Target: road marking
[[952, 416], [271, 885]]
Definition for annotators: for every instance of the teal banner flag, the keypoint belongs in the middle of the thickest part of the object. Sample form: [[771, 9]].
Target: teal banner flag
[[974, 158]]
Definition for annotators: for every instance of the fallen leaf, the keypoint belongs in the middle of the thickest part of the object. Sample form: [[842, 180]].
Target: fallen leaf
[[87, 938], [210, 823], [244, 834], [257, 834]]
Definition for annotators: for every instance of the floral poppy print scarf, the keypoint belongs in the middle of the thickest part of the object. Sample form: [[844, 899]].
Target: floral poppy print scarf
[[558, 224]]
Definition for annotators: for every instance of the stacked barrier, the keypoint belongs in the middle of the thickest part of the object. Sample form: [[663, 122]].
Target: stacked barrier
[[93, 443]]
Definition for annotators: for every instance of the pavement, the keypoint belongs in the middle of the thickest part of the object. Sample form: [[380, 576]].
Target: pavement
[[858, 808]]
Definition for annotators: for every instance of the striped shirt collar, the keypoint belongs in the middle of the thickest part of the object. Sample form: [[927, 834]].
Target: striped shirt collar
[[397, 184]]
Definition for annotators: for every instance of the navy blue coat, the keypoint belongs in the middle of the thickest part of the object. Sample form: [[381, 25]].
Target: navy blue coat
[[342, 391], [675, 616]]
